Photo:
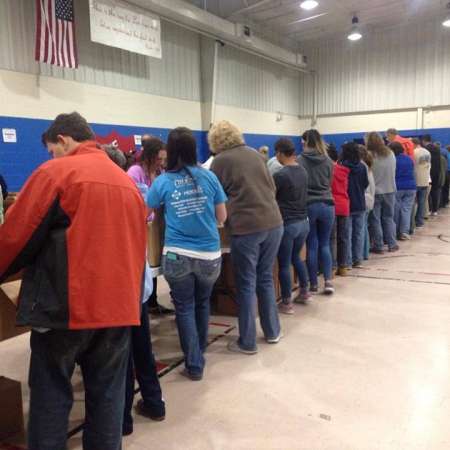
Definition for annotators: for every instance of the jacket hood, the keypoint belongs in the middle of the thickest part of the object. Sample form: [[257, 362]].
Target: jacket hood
[[314, 157], [354, 167]]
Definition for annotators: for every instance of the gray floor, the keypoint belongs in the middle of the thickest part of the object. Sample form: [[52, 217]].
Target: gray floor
[[366, 369]]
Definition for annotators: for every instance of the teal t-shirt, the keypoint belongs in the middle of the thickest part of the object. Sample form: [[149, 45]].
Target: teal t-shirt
[[189, 208]]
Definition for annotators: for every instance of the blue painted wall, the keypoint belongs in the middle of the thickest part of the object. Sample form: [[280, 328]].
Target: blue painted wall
[[18, 160]]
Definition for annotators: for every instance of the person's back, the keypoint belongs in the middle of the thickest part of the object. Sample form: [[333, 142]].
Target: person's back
[[339, 188], [407, 145], [78, 229], [404, 174], [320, 172], [357, 184], [193, 202], [255, 225], [93, 208], [292, 188], [422, 166], [384, 173], [435, 170], [251, 204], [189, 200]]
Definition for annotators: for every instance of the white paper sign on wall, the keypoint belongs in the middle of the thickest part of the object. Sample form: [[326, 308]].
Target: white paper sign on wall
[[119, 24], [9, 135], [137, 139]]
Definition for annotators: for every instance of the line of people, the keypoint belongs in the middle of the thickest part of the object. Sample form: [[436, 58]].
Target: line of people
[[78, 228]]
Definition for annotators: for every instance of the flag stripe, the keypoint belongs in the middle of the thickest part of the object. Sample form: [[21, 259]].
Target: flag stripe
[[37, 49], [55, 33], [51, 47]]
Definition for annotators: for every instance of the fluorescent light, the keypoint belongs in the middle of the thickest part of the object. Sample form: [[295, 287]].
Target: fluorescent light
[[446, 22], [355, 33], [309, 4], [354, 36]]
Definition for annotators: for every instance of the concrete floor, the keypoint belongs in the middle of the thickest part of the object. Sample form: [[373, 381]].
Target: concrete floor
[[365, 369]]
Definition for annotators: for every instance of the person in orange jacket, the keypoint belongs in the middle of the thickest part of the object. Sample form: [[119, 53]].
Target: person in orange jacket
[[78, 229], [408, 145]]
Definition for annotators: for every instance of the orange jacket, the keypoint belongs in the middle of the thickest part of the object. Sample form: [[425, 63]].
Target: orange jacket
[[407, 144], [78, 228]]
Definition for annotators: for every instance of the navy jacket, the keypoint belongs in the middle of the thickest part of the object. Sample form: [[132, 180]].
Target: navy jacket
[[404, 173], [358, 181]]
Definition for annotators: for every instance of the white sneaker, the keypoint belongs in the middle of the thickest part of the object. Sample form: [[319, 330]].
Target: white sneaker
[[276, 339]]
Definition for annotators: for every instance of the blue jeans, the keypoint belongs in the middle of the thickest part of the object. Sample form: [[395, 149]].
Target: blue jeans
[[321, 219], [404, 204], [356, 237], [253, 256], [191, 282], [103, 357], [421, 205], [294, 238], [382, 223], [142, 364], [366, 236]]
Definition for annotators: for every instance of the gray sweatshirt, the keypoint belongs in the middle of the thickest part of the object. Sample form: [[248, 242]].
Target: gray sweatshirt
[[320, 173], [384, 174]]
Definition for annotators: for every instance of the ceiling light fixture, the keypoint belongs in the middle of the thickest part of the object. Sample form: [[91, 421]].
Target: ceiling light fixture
[[355, 34], [309, 4], [446, 22]]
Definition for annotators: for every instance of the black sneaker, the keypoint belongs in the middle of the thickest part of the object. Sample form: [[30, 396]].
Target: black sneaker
[[314, 289], [377, 251], [127, 429], [191, 376], [157, 414], [393, 249]]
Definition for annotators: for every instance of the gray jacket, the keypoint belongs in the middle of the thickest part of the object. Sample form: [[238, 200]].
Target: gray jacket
[[320, 174]]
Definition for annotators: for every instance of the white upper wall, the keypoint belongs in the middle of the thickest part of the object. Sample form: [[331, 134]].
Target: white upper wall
[[244, 81], [400, 68]]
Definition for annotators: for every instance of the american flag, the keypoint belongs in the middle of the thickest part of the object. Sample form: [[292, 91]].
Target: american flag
[[55, 33]]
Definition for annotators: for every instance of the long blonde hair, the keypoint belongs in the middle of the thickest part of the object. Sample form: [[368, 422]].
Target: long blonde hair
[[313, 140], [375, 145]]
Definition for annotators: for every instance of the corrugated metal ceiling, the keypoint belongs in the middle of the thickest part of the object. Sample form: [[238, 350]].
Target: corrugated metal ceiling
[[274, 18]]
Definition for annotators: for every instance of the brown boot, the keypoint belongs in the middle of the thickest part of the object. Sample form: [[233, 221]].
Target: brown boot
[[342, 271]]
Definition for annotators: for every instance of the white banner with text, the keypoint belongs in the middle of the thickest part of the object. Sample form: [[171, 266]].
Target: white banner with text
[[119, 24]]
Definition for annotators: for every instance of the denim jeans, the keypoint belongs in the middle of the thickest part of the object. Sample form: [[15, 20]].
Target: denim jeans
[[191, 282], [356, 237], [421, 205], [294, 238], [382, 225], [253, 256], [142, 363], [404, 203], [366, 236], [321, 218], [103, 357]]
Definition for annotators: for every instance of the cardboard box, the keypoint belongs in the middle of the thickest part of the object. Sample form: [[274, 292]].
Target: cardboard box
[[9, 294], [11, 411], [155, 240]]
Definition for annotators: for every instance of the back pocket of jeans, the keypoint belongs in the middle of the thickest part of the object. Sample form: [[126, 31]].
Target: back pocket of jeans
[[174, 268], [210, 269]]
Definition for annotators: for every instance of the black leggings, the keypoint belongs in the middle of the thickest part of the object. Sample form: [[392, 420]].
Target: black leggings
[[435, 198]]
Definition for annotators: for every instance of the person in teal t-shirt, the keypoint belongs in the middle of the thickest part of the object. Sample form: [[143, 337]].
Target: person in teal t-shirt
[[194, 203]]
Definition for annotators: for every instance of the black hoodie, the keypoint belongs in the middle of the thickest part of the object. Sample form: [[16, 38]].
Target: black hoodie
[[320, 173], [358, 181]]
